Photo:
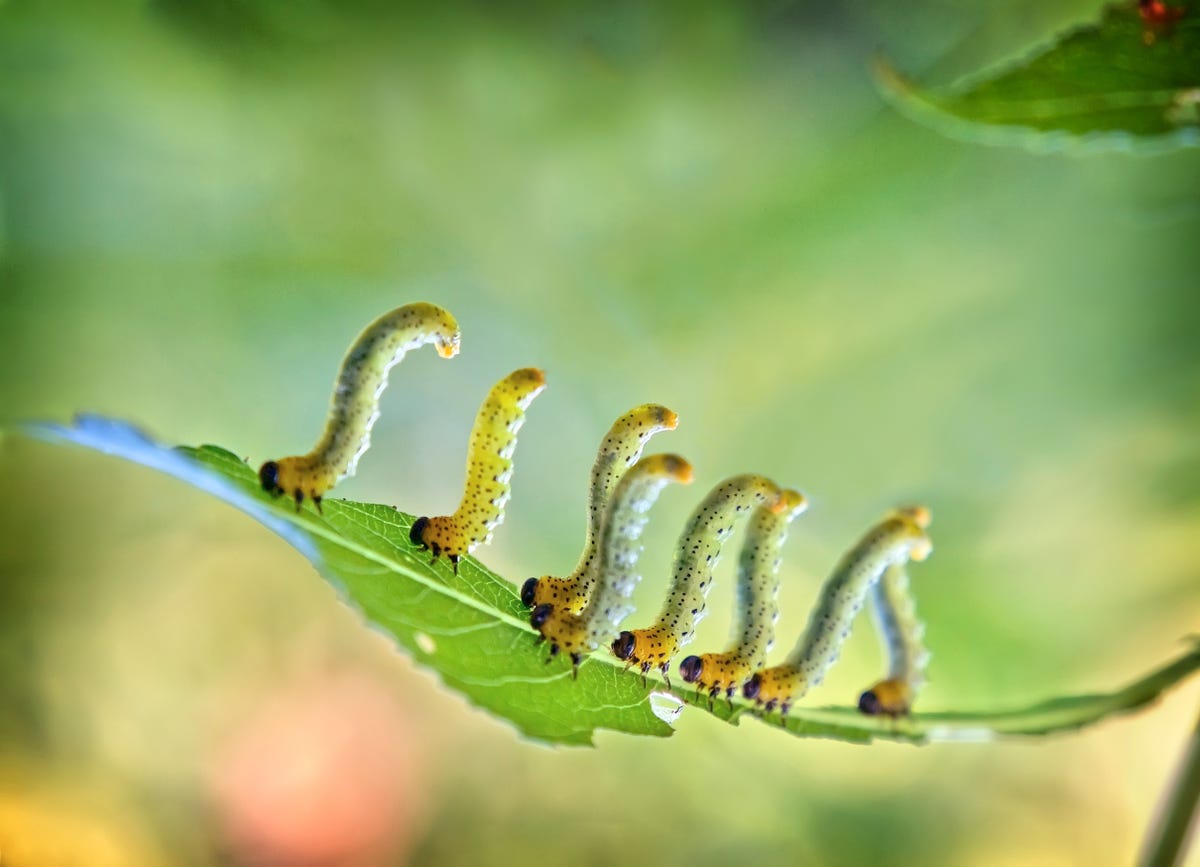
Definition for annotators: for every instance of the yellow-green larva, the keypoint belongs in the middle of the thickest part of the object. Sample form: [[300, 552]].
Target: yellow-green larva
[[698, 551], [896, 540], [757, 606], [489, 469], [616, 575], [355, 405], [619, 450], [901, 633]]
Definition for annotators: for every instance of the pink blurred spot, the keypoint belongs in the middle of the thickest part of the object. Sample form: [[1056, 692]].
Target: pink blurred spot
[[322, 773]]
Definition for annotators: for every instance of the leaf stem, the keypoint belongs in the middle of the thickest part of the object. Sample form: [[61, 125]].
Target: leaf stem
[[1167, 841]]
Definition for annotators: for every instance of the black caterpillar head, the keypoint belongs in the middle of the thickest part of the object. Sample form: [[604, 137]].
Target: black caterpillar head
[[268, 475], [691, 668], [528, 589], [622, 646]]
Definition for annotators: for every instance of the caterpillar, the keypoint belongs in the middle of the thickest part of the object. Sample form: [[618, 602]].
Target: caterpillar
[[698, 551], [757, 607], [489, 468], [897, 539], [615, 575], [900, 633], [355, 406], [619, 450]]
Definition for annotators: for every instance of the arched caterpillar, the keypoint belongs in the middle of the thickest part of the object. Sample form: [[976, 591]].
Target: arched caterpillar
[[757, 607], [896, 540], [355, 405], [615, 575], [901, 634], [489, 468], [619, 450], [698, 551]]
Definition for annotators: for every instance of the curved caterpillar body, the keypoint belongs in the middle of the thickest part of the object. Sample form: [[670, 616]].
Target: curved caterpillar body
[[616, 575], [698, 551], [896, 540], [757, 606], [901, 634], [355, 406], [489, 468], [619, 450]]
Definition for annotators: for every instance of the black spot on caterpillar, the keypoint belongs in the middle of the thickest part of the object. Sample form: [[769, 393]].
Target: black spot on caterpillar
[[355, 406]]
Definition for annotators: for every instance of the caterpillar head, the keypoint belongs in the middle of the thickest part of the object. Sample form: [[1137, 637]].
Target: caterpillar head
[[268, 476], [529, 593], [447, 345], [416, 533], [691, 668], [540, 614]]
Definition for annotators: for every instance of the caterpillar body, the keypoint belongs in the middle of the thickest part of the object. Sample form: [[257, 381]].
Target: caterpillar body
[[616, 575], [355, 405], [698, 551], [901, 633], [897, 539], [619, 450], [489, 470], [757, 603]]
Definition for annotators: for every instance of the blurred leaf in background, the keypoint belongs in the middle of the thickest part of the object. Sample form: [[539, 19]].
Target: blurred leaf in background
[[1130, 81], [707, 206]]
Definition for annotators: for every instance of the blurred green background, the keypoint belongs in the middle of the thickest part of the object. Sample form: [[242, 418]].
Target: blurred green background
[[698, 204]]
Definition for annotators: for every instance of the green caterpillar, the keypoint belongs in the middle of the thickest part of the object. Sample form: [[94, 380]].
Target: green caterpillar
[[901, 634], [489, 469], [355, 407], [698, 551], [619, 450], [757, 606], [896, 540]]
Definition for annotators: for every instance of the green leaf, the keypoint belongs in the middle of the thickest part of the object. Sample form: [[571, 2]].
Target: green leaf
[[472, 629], [1122, 83]]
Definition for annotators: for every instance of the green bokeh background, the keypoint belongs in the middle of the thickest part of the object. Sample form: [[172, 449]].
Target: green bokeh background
[[698, 204]]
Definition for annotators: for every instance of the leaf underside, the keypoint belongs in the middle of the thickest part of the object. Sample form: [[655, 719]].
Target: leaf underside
[[1122, 83], [472, 629]]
